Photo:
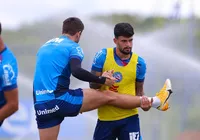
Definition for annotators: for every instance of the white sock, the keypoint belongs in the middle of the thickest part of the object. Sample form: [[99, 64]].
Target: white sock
[[156, 102]]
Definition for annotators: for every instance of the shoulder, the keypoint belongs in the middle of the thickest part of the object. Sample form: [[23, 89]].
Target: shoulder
[[8, 56], [141, 61], [9, 66], [99, 60], [102, 52]]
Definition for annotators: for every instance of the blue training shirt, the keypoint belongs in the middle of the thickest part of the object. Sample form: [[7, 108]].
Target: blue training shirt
[[100, 58], [8, 73], [52, 72]]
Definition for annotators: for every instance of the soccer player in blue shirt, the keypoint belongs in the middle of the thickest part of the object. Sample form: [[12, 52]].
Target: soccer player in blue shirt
[[8, 82], [56, 60]]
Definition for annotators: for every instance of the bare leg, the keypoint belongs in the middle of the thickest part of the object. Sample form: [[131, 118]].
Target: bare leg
[[124, 101], [49, 133], [93, 99]]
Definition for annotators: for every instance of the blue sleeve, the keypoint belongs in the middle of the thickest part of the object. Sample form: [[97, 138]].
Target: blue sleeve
[[141, 70], [99, 60], [9, 75], [77, 52]]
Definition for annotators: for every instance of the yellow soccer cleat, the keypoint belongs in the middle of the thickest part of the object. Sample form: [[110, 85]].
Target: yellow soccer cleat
[[165, 107], [164, 95]]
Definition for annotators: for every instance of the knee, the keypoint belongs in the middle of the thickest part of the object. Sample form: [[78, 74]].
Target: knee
[[109, 96], [111, 99]]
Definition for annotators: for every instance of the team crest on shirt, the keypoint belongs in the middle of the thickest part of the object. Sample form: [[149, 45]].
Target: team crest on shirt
[[8, 74], [118, 76]]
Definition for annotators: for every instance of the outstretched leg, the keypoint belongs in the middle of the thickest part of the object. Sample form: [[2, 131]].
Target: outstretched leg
[[93, 99]]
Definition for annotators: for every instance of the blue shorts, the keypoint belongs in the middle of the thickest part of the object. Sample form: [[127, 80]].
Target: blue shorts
[[53, 112], [124, 129]]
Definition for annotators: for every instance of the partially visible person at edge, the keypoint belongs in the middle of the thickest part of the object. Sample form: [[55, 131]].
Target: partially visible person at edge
[[8, 81]]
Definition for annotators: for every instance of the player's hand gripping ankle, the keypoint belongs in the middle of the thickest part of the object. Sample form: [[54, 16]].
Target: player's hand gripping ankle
[[145, 103]]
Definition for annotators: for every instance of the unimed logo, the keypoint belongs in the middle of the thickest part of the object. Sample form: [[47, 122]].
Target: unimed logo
[[47, 111], [41, 92]]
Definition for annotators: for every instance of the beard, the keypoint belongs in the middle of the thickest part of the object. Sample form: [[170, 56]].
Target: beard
[[77, 39], [126, 50]]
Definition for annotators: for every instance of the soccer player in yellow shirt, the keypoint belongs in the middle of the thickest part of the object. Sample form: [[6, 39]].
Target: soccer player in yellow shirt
[[129, 70]]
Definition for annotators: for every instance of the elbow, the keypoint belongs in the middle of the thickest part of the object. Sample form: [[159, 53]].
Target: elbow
[[74, 73]]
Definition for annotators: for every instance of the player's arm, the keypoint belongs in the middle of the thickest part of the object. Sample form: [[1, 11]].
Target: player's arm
[[82, 74], [141, 71], [11, 105], [95, 85], [139, 88], [97, 67], [10, 89]]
